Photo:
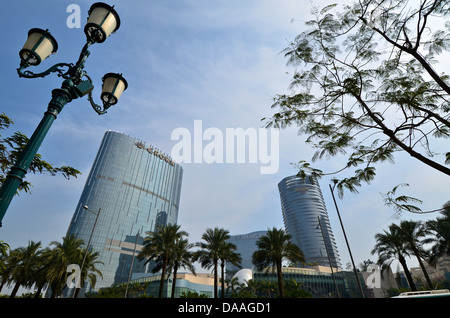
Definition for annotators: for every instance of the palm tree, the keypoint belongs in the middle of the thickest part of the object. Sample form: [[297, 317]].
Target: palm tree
[[251, 290], [4, 268], [412, 232], [89, 270], [61, 256], [135, 288], [40, 276], [441, 229], [5, 272], [228, 254], [233, 285], [181, 258], [209, 255], [267, 287], [159, 246], [390, 246], [273, 248], [24, 264]]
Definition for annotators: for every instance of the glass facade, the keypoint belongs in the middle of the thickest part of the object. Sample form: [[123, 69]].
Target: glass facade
[[133, 188], [246, 246], [302, 207], [318, 283], [200, 283]]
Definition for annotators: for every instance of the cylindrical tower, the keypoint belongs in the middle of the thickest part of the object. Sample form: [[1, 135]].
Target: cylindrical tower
[[302, 207]]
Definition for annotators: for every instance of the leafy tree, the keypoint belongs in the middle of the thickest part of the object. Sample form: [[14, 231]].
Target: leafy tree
[[366, 87], [294, 290], [136, 288], [273, 248], [391, 246], [233, 286], [160, 246], [401, 203], [113, 291], [10, 150], [249, 291], [267, 288], [364, 265], [191, 294], [211, 250]]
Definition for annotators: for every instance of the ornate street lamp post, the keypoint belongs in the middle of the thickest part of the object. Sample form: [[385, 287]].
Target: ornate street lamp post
[[103, 20]]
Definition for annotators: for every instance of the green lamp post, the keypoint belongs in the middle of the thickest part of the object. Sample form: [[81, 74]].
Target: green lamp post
[[103, 20]]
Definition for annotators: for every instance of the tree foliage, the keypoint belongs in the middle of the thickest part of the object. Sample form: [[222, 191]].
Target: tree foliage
[[441, 239], [12, 146], [366, 86]]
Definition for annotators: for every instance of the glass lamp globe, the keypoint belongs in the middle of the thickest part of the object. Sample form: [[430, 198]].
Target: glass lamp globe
[[103, 20], [113, 87], [40, 44]]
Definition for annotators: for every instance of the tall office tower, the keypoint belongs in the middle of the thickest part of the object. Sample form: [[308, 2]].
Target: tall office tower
[[133, 188], [303, 206]]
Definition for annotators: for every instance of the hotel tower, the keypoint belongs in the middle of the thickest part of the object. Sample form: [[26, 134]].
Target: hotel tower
[[132, 188], [306, 220]]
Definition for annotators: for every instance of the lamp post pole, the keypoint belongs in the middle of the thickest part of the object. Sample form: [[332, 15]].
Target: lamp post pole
[[348, 245], [103, 20], [329, 260], [18, 171]]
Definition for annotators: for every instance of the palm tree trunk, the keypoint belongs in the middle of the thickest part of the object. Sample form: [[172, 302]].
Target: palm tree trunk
[[15, 289], [280, 280], [174, 282], [163, 274], [407, 273], [425, 273], [53, 294], [215, 279], [39, 290], [222, 278]]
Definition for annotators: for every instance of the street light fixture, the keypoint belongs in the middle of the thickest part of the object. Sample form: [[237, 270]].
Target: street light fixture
[[103, 20], [40, 44]]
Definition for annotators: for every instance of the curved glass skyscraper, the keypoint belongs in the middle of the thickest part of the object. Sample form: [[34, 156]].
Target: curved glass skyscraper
[[133, 188], [303, 206]]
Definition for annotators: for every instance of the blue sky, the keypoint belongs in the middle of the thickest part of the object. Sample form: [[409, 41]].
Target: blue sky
[[215, 61]]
